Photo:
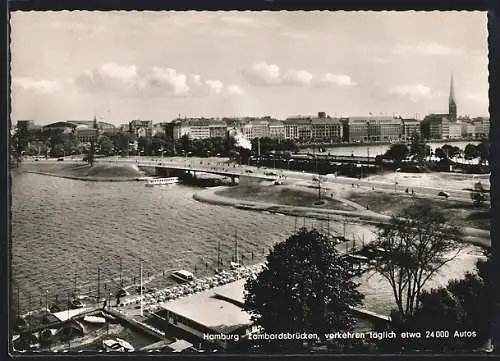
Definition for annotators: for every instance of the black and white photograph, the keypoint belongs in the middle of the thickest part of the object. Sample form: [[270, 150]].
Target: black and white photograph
[[250, 182]]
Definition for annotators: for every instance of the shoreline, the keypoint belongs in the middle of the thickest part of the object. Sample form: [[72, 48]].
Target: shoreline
[[474, 236], [90, 179], [78, 171]]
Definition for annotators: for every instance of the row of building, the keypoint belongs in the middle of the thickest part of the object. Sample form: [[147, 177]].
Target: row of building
[[320, 128]]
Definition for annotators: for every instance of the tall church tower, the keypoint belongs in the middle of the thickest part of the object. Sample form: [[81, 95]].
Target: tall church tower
[[452, 105]]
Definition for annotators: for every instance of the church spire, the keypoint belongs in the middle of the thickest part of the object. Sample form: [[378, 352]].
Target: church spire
[[452, 89], [452, 105]]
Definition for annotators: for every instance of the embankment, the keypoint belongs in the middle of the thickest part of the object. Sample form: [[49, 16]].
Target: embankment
[[213, 195], [78, 171]]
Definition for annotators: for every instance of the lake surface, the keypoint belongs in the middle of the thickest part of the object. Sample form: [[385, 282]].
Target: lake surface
[[62, 228], [374, 150]]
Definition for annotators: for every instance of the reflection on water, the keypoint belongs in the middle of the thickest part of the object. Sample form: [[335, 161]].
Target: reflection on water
[[62, 228]]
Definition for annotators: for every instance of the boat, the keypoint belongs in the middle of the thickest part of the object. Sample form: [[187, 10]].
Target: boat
[[182, 276], [94, 319], [117, 345], [151, 182], [76, 303]]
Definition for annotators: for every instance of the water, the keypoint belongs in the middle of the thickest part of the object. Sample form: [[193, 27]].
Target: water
[[63, 227], [374, 150]]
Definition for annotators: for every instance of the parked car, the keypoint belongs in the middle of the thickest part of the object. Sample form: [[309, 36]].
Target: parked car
[[443, 194], [60, 159]]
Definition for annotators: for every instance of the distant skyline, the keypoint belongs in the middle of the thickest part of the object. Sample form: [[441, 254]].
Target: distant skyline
[[121, 66]]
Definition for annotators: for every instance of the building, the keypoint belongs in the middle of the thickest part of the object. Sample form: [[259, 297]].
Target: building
[[372, 129], [298, 127], [467, 128], [255, 128], [198, 128], [276, 129], [158, 128], [481, 127], [410, 127], [141, 128], [435, 126], [326, 129], [452, 104], [211, 316], [455, 130]]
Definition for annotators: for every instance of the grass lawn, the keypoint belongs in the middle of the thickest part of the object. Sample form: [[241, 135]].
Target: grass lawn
[[463, 213], [282, 195]]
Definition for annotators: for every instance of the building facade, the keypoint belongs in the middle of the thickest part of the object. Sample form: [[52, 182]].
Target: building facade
[[276, 129], [410, 127], [454, 130], [141, 128], [372, 129]]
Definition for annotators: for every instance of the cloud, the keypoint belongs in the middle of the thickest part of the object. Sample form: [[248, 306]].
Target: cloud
[[335, 79], [414, 92], [38, 86], [128, 80], [297, 77], [425, 49], [235, 90], [264, 74], [480, 98]]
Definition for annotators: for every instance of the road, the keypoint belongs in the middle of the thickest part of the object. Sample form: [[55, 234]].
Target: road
[[219, 165]]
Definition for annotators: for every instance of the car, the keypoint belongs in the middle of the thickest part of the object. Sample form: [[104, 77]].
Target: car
[[60, 159], [248, 171], [315, 179], [443, 194]]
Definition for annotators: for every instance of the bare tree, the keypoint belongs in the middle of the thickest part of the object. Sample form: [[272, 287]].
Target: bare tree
[[410, 250]]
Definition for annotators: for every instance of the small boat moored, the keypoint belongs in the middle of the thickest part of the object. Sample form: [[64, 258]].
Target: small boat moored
[[161, 181]]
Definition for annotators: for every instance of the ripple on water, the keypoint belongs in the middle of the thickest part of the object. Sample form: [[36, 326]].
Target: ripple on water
[[63, 227]]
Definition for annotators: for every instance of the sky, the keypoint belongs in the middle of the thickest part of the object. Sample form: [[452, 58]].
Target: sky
[[120, 66]]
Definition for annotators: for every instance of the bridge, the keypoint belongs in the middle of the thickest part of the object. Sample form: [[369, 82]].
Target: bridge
[[169, 167]]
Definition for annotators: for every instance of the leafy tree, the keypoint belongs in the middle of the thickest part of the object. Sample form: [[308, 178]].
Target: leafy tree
[[410, 249], [450, 150], [440, 153], [21, 138], [106, 145], [418, 148], [470, 151], [185, 143], [397, 152], [305, 286], [483, 150], [463, 304]]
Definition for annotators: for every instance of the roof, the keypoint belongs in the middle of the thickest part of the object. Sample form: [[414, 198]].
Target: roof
[[179, 345], [65, 315], [211, 312]]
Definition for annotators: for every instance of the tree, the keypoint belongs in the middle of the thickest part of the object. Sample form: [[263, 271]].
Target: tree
[[106, 145], [418, 148], [305, 286], [440, 153], [470, 151], [410, 249], [483, 150], [397, 152], [463, 304], [450, 150]]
